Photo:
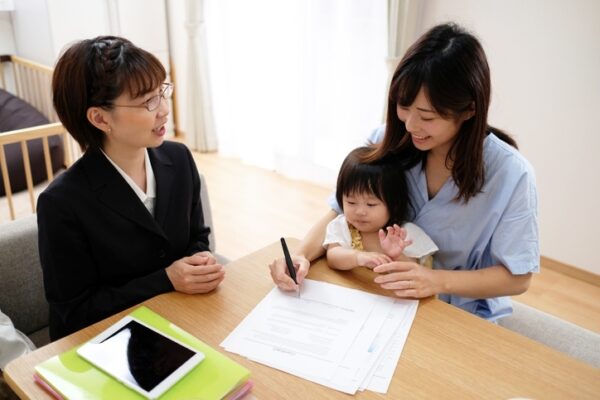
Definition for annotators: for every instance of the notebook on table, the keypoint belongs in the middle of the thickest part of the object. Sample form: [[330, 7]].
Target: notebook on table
[[70, 376]]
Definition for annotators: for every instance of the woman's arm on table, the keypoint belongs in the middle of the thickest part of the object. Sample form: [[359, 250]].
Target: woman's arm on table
[[413, 280]]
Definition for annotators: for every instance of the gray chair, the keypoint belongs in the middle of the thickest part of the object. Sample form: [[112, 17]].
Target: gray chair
[[206, 210], [21, 286], [554, 332], [22, 295], [208, 221]]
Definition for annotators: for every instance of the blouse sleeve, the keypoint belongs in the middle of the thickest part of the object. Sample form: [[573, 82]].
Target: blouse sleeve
[[338, 232], [422, 245], [515, 241]]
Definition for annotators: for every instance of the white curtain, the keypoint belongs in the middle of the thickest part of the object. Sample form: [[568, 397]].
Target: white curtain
[[403, 18], [396, 15], [296, 83], [200, 130]]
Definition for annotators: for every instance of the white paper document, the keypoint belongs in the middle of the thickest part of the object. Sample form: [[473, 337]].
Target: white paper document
[[380, 376], [335, 336]]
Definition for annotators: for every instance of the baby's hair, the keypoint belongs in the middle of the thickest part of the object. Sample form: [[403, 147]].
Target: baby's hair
[[384, 178]]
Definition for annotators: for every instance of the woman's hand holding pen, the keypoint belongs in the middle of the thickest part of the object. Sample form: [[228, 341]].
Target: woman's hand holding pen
[[198, 273], [282, 278]]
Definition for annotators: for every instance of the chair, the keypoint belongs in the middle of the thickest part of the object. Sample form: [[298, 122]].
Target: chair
[[206, 210], [554, 332], [22, 295], [33, 144], [21, 287]]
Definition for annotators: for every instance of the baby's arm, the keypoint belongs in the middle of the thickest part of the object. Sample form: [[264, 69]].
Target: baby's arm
[[393, 242], [339, 257]]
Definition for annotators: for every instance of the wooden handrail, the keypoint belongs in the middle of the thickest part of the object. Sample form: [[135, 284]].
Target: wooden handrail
[[36, 132], [29, 63]]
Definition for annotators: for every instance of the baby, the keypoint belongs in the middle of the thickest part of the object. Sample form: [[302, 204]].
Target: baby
[[372, 229]]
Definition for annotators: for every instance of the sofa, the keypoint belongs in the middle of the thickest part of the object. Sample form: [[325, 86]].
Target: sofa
[[21, 286]]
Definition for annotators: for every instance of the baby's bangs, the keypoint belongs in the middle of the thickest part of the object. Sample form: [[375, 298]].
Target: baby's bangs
[[367, 179]]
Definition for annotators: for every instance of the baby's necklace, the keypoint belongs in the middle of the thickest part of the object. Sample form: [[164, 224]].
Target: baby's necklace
[[356, 238]]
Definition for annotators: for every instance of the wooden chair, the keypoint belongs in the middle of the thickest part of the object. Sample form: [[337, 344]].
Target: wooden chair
[[31, 82]]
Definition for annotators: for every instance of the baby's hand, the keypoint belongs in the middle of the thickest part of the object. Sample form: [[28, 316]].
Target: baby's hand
[[371, 259], [394, 241]]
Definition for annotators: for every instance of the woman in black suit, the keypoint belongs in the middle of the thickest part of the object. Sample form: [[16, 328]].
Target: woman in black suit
[[124, 223]]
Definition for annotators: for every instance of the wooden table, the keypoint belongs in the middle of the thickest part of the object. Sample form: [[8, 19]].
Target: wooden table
[[449, 353]]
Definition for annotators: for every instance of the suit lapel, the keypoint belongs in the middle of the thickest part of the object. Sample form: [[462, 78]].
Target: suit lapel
[[163, 173], [115, 193]]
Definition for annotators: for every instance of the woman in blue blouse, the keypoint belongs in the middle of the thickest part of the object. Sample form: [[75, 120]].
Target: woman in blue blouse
[[470, 189]]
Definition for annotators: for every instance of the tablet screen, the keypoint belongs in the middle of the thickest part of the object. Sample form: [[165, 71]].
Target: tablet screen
[[137, 355]]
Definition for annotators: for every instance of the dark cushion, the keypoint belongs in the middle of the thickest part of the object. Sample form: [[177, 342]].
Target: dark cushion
[[18, 114]]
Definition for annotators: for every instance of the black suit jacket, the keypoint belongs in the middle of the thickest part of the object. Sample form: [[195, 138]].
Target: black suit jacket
[[101, 250]]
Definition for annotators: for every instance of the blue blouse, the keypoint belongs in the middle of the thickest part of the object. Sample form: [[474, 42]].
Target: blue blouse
[[496, 227]]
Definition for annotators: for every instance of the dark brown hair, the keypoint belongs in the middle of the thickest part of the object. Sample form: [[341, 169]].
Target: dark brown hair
[[384, 178], [94, 72], [450, 65]]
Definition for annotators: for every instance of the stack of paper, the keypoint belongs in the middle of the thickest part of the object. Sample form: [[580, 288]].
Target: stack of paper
[[342, 338]]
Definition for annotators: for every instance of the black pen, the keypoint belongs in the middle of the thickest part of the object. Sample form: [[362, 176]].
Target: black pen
[[288, 261]]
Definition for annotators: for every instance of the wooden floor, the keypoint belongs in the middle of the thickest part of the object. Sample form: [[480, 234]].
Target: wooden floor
[[253, 207]]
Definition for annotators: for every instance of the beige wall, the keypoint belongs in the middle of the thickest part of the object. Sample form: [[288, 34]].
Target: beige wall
[[7, 41], [545, 62]]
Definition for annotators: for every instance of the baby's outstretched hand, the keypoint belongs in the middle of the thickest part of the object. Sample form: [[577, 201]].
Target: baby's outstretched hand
[[393, 241]]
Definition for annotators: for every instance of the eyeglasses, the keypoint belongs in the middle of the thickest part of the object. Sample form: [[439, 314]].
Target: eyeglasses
[[153, 102]]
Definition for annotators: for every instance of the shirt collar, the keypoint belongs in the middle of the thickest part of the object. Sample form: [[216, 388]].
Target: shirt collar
[[150, 180]]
